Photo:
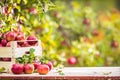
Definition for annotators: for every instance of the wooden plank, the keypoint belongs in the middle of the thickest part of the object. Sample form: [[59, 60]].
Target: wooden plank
[[6, 65], [5, 52], [21, 51]]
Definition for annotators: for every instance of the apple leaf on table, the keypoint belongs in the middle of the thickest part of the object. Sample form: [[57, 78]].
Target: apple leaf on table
[[2, 69]]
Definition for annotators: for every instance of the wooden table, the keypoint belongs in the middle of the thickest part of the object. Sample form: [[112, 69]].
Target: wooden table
[[70, 73]]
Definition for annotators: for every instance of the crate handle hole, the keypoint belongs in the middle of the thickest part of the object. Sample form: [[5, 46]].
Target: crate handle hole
[[5, 59]]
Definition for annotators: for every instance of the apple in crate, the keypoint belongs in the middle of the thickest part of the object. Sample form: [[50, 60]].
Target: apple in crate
[[10, 36], [8, 44], [32, 40], [20, 36], [28, 68], [17, 68], [43, 69], [50, 64], [4, 42], [25, 44]]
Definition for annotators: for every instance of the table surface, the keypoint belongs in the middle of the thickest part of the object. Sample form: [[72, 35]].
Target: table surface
[[72, 73]]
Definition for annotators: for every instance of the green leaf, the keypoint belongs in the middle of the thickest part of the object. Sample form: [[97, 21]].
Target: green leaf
[[2, 69], [25, 1], [61, 73], [41, 15], [18, 8], [18, 1], [32, 50]]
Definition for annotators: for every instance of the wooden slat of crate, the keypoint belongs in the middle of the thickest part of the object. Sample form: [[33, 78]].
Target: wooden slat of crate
[[5, 52], [21, 51], [6, 65]]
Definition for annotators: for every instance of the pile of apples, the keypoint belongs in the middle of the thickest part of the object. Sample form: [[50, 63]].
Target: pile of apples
[[14, 35], [30, 68]]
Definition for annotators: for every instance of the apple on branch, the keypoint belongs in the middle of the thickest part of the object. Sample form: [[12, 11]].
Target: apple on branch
[[72, 60], [114, 44], [33, 10], [6, 11], [86, 21]]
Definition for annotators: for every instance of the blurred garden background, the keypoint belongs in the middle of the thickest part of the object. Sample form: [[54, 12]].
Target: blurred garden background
[[73, 32]]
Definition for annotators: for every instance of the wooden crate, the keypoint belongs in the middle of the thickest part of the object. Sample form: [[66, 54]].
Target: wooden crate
[[14, 51]]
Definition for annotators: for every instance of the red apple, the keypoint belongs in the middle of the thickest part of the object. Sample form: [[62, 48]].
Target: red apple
[[20, 43], [114, 44], [95, 32], [31, 40], [86, 21], [4, 42], [20, 36], [33, 10], [8, 44], [55, 14], [28, 68], [15, 31], [25, 44], [31, 37], [17, 68], [10, 36], [18, 46], [5, 10], [63, 43], [43, 69], [72, 60], [50, 64], [36, 64]]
